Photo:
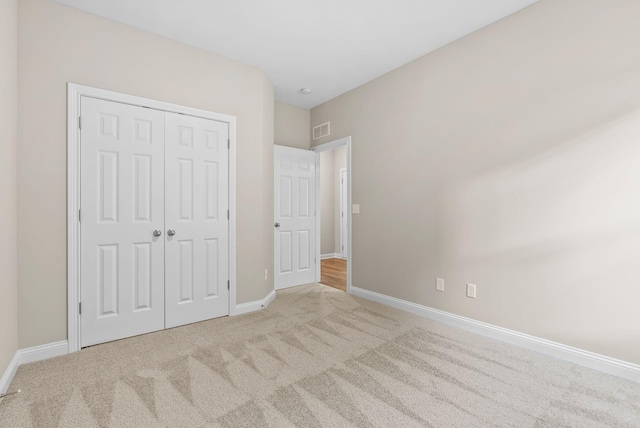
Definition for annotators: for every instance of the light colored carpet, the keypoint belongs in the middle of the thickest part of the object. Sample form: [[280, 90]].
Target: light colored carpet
[[316, 357]]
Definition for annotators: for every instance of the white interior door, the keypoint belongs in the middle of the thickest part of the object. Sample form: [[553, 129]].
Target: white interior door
[[343, 213], [197, 203], [294, 215], [122, 204]]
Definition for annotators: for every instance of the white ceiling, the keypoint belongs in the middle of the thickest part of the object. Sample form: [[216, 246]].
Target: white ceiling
[[330, 46]]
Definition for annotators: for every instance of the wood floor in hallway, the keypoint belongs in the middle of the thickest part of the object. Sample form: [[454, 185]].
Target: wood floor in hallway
[[333, 272]]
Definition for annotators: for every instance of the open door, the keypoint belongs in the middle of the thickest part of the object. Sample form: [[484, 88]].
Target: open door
[[294, 217]]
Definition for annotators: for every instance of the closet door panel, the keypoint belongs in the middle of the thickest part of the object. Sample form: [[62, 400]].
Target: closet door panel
[[122, 204], [197, 226]]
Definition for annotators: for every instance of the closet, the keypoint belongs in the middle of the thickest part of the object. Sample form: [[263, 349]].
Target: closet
[[154, 220]]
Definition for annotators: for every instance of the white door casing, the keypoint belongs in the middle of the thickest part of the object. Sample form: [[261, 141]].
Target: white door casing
[[122, 262], [295, 256], [196, 189], [344, 215]]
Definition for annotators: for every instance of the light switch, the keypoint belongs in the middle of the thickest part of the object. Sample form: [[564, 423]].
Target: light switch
[[471, 291], [356, 209]]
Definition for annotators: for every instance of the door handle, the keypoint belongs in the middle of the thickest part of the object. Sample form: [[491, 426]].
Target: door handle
[[157, 232], [171, 232], [277, 224]]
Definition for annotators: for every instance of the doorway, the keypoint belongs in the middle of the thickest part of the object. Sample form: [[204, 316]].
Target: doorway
[[333, 178]]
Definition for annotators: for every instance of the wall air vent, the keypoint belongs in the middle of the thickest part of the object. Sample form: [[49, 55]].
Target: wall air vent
[[321, 130]]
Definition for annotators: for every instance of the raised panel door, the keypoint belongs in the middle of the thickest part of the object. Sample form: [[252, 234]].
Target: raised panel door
[[294, 214], [122, 203], [197, 200]]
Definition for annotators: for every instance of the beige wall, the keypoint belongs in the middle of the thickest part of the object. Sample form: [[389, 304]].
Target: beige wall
[[339, 161], [58, 44], [8, 187], [327, 204], [330, 163], [509, 159], [267, 191], [292, 126]]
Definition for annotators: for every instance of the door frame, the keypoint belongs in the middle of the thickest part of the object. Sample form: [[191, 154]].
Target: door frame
[[74, 93], [342, 223], [345, 141]]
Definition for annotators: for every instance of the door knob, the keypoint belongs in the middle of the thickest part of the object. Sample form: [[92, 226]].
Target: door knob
[[171, 232], [157, 232], [277, 224]]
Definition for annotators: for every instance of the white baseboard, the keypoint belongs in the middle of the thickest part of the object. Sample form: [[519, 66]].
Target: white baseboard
[[330, 256], [31, 355], [256, 305], [43, 352], [578, 356], [10, 372]]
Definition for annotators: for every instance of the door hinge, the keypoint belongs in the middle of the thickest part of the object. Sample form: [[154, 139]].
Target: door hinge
[[228, 284], [79, 122], [228, 143], [228, 215], [79, 215], [80, 308]]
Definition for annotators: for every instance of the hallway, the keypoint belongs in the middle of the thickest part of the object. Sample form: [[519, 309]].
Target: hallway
[[334, 273]]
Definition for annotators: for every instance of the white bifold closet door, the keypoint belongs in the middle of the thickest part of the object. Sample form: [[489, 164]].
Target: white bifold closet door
[[154, 226]]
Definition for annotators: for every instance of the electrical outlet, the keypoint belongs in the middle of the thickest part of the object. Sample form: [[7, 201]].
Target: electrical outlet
[[471, 291], [266, 274], [439, 284]]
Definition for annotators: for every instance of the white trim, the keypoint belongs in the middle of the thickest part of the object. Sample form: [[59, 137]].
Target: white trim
[[31, 355], [43, 352], [232, 215], [74, 92], [345, 141], [578, 356], [342, 209], [10, 372], [330, 256], [256, 305], [332, 145]]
